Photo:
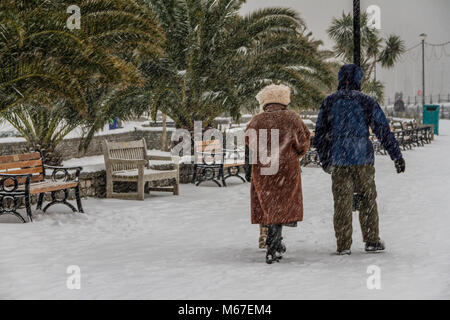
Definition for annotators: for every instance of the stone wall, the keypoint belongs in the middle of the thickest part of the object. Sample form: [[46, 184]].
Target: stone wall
[[93, 184], [69, 147], [7, 148]]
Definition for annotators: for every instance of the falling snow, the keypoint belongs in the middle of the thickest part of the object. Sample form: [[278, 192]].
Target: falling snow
[[201, 244]]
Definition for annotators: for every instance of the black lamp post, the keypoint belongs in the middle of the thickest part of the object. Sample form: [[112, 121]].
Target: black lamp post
[[423, 36], [357, 32]]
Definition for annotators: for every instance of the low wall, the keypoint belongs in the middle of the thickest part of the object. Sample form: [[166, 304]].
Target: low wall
[[69, 147], [93, 184]]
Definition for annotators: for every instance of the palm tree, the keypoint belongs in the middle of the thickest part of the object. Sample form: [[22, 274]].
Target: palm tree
[[42, 62], [217, 60], [44, 126], [39, 55], [374, 49]]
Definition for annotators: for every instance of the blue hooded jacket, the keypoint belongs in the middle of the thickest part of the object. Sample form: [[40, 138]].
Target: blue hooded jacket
[[342, 129]]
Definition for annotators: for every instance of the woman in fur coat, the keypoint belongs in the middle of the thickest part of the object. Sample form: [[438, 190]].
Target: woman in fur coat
[[276, 190]]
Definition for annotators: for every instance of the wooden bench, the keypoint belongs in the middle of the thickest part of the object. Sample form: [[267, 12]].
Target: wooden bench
[[129, 162], [24, 175], [211, 160]]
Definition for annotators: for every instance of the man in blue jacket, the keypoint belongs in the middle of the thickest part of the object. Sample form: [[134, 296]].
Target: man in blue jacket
[[346, 152]]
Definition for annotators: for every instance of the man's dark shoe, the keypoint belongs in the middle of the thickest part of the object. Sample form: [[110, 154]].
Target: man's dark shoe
[[375, 246], [344, 252]]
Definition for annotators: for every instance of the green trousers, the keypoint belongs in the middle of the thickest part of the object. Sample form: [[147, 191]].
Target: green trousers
[[344, 181]]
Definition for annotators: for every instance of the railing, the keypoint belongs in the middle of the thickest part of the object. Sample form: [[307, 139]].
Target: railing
[[429, 99], [407, 139], [416, 112]]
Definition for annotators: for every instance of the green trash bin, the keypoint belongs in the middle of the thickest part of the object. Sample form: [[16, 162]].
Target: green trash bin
[[431, 116]]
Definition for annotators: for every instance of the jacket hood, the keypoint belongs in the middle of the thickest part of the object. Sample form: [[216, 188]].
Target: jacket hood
[[350, 77]]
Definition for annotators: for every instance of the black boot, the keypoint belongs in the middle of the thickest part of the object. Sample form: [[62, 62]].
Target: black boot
[[274, 243], [282, 247]]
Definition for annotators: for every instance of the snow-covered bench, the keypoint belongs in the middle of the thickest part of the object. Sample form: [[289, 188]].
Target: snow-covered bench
[[24, 175], [129, 162]]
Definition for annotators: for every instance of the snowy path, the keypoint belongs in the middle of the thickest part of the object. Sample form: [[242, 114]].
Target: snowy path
[[201, 246]]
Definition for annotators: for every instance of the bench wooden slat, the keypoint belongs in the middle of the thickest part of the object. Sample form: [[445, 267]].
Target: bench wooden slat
[[25, 171], [21, 164], [205, 148], [20, 157], [208, 143], [236, 164], [49, 186], [38, 178]]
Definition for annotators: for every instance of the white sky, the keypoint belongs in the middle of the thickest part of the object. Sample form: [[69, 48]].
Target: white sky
[[407, 18]]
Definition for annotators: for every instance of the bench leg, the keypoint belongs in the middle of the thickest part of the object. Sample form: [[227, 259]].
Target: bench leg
[[15, 205], [176, 188], [141, 190], [40, 201], [194, 176], [109, 188], [213, 180], [231, 174], [222, 175], [28, 208], [209, 174], [78, 198], [56, 201]]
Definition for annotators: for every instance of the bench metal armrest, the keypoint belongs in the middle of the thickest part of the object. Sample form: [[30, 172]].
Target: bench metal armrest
[[138, 162], [8, 175], [14, 178], [158, 158], [233, 150], [234, 154], [66, 172], [174, 159]]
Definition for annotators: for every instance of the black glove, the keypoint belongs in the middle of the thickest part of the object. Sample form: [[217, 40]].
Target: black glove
[[400, 165]]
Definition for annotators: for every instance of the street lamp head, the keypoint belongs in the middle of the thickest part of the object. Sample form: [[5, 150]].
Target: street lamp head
[[423, 36]]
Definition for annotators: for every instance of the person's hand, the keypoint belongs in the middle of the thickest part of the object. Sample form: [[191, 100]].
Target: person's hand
[[400, 165]]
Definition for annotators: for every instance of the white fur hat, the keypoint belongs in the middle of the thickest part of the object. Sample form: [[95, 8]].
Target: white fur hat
[[274, 94]]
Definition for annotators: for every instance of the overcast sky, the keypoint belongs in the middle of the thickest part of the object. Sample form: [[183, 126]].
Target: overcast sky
[[407, 18]]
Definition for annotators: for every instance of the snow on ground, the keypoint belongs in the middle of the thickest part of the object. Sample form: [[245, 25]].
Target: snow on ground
[[201, 245]]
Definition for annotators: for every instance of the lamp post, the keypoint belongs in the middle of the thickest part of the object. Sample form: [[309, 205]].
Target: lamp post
[[423, 36], [357, 32]]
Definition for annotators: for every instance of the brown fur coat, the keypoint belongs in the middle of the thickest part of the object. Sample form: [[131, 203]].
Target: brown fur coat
[[277, 199]]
